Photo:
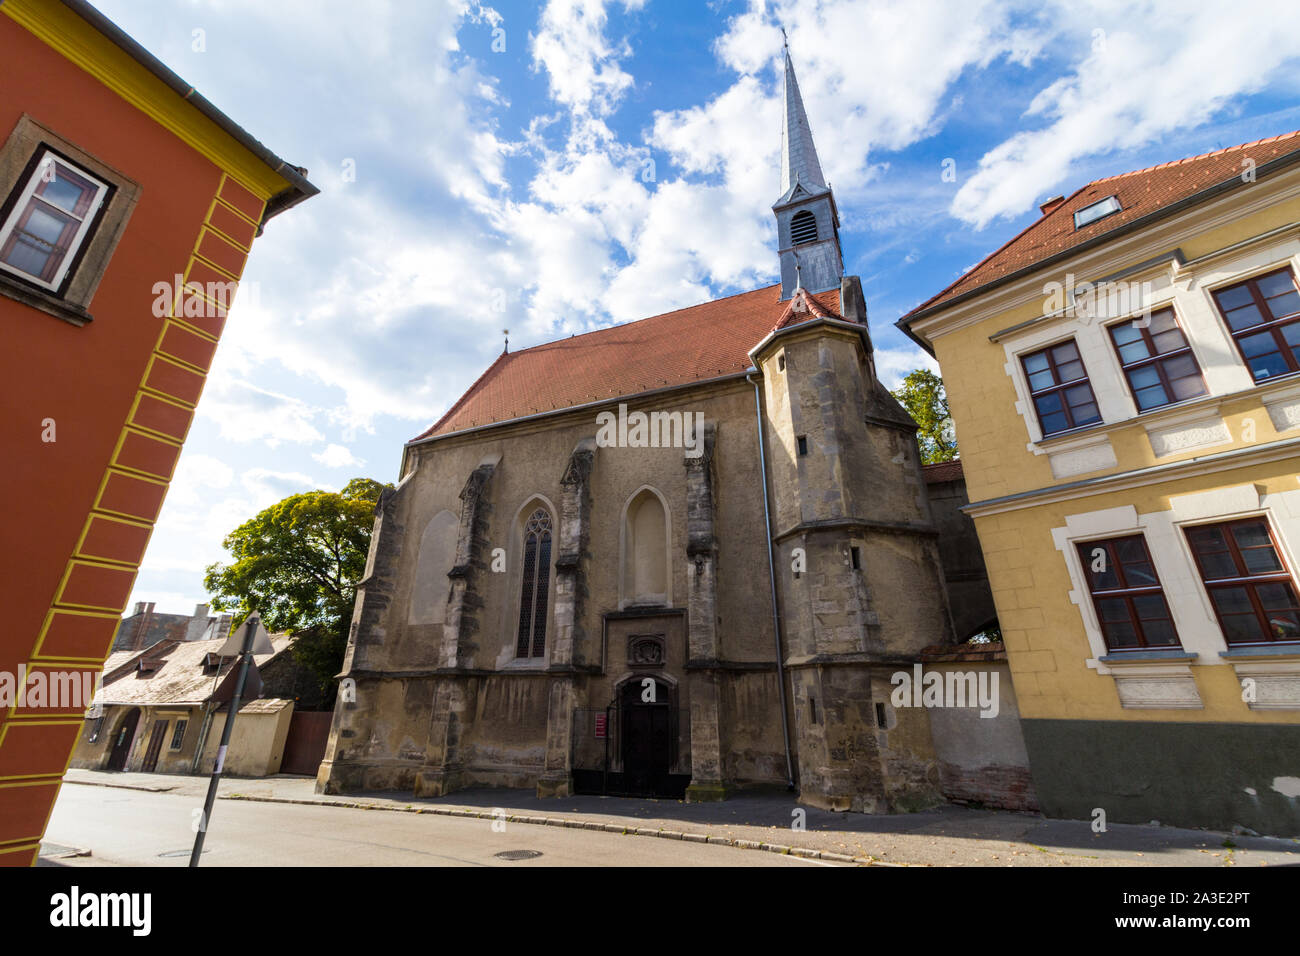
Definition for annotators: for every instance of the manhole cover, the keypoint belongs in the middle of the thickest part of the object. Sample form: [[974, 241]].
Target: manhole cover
[[518, 854], [179, 853]]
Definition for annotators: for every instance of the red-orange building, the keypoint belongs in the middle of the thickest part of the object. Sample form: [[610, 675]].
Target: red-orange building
[[116, 178]]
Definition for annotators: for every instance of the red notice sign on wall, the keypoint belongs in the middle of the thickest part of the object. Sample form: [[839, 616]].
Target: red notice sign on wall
[[600, 724]]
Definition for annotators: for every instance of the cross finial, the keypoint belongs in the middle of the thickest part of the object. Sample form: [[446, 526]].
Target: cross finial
[[785, 40], [506, 333]]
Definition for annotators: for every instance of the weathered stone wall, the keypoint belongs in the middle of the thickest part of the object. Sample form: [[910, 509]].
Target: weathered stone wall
[[483, 714], [969, 594]]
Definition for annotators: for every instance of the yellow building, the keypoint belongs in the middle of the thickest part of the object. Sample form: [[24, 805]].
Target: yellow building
[[1124, 377]]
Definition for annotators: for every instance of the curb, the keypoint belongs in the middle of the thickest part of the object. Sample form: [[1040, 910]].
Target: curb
[[620, 828], [120, 786]]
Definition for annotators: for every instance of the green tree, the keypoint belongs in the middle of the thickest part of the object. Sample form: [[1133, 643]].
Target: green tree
[[923, 396], [297, 563]]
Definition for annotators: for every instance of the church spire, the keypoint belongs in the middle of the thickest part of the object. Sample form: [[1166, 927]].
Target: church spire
[[798, 154], [807, 223]]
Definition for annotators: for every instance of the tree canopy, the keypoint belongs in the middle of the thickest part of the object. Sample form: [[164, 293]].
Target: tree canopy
[[297, 563], [923, 395]]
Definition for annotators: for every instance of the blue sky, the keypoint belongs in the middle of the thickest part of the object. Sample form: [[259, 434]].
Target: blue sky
[[552, 168]]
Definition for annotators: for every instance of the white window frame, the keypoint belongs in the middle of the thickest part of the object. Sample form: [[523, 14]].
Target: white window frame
[[47, 156]]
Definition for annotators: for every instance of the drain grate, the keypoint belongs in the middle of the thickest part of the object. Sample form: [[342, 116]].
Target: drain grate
[[518, 854]]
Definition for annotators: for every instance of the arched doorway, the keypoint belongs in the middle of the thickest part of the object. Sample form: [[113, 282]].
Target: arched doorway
[[648, 734], [122, 742]]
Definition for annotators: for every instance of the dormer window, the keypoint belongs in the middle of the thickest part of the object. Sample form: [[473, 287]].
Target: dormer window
[[1098, 210], [803, 228]]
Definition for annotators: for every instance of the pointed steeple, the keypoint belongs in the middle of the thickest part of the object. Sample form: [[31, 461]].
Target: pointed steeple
[[799, 161], [807, 223]]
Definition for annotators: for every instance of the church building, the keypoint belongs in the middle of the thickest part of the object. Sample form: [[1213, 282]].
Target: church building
[[681, 556]]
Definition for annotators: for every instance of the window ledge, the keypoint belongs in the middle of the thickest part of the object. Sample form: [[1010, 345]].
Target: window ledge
[[1262, 652], [1054, 441], [1147, 656], [44, 301]]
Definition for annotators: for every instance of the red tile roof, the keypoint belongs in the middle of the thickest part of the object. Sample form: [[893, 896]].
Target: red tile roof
[[943, 471], [677, 348], [1140, 193]]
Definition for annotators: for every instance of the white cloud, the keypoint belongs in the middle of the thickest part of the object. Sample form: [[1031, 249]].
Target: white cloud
[[1139, 81], [336, 456]]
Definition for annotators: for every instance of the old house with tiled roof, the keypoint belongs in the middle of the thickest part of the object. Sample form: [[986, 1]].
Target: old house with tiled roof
[[679, 556], [1124, 376]]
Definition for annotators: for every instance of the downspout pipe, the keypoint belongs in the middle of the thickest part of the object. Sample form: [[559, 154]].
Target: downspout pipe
[[771, 578]]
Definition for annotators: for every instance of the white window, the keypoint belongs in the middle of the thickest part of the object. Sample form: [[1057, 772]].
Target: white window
[[50, 221], [1096, 211]]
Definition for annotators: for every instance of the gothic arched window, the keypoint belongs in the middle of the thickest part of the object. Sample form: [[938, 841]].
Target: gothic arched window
[[803, 228], [535, 586]]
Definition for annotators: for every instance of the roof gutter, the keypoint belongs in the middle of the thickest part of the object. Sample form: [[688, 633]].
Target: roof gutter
[[299, 189], [1164, 212]]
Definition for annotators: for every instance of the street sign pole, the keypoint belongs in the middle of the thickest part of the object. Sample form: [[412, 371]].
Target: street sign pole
[[245, 658]]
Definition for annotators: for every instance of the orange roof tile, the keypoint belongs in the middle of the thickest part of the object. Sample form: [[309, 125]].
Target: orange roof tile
[[943, 471], [1140, 193], [677, 348]]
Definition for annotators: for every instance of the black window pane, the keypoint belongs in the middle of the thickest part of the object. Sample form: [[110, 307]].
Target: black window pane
[[1047, 404], [1134, 352], [1086, 415], [1159, 633], [1243, 318], [1111, 610], [1188, 387], [1078, 395], [1041, 380], [1232, 600], [1234, 297], [1150, 607], [1207, 539], [1100, 567], [1126, 332], [1162, 321], [1179, 367], [1267, 366], [1242, 628], [1253, 534], [1275, 283], [1170, 341], [1277, 595], [1261, 561], [1070, 371], [1152, 397], [1284, 627], [540, 601], [1218, 565], [1065, 352], [1054, 423], [1284, 305], [1120, 635]]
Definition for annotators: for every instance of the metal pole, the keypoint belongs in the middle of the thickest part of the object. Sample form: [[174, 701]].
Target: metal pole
[[245, 658]]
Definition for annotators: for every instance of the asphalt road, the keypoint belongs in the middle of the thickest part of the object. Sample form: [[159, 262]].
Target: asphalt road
[[136, 828]]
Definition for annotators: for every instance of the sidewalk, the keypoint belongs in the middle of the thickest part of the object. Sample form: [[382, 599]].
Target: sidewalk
[[945, 836]]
